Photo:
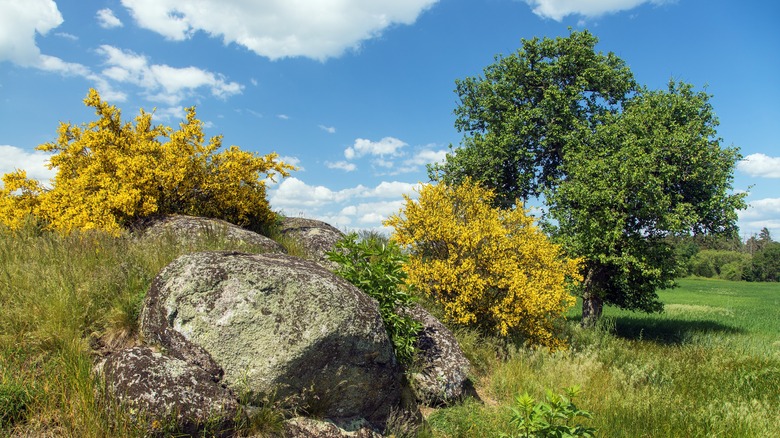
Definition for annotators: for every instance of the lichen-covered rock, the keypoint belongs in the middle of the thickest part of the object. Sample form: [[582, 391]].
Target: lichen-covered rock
[[168, 393], [316, 237], [441, 368], [278, 323], [301, 427], [183, 227]]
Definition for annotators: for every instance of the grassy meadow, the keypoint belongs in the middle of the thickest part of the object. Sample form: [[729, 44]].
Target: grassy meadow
[[707, 367]]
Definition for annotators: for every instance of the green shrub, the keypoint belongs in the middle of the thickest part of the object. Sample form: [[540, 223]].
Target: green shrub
[[711, 263], [552, 418], [374, 265]]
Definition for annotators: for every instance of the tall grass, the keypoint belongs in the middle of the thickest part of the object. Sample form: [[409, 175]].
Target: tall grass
[[62, 300], [707, 367]]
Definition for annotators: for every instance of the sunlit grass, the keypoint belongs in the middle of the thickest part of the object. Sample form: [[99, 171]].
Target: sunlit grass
[[708, 366], [61, 299]]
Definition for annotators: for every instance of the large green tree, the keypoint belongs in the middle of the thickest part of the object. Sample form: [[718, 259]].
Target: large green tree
[[620, 168]]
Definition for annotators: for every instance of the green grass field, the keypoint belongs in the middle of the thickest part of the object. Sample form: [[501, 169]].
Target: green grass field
[[707, 367]]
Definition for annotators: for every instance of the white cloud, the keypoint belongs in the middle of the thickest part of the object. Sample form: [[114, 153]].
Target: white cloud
[[343, 165], [174, 113], [107, 19], [19, 24], [386, 146], [557, 9], [160, 82], [760, 165], [278, 29], [33, 162], [360, 205], [759, 214], [328, 129], [295, 161], [283, 116], [427, 156], [67, 36], [392, 189], [414, 163]]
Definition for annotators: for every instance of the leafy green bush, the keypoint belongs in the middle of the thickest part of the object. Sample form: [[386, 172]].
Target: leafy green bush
[[711, 263], [552, 418], [374, 265], [765, 265]]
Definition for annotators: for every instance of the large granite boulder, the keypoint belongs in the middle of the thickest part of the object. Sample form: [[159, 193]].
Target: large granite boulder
[[273, 323], [168, 393], [183, 228], [316, 237], [441, 369]]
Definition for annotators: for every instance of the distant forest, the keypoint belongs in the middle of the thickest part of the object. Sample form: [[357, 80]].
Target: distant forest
[[755, 259]]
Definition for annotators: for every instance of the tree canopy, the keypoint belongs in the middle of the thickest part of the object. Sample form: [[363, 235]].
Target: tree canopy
[[620, 168]]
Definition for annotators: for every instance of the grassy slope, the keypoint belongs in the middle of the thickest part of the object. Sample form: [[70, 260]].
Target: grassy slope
[[709, 366]]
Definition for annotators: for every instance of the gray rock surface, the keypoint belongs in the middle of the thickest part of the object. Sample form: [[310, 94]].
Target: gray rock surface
[[301, 427], [273, 322], [162, 389], [315, 236], [441, 369], [182, 227]]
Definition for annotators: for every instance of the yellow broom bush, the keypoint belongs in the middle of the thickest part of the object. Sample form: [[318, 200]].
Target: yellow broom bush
[[488, 267], [111, 173]]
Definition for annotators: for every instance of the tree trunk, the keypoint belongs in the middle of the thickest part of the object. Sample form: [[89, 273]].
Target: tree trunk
[[592, 304]]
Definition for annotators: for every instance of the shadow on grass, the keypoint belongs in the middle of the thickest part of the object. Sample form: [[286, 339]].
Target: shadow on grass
[[662, 330]]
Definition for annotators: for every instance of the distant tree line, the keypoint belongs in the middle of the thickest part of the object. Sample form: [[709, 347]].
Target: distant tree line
[[755, 259]]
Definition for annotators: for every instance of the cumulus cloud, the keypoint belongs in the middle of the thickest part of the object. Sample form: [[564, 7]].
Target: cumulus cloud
[[328, 129], [760, 165], [557, 9], [19, 24], [361, 207], [343, 165], [759, 214], [295, 161], [278, 29], [160, 82], [107, 19], [33, 162], [386, 146], [67, 36]]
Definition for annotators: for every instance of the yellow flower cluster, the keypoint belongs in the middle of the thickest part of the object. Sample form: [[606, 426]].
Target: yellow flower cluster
[[110, 173], [488, 267]]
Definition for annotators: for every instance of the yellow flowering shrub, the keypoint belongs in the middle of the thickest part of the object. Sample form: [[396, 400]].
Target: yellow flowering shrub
[[111, 173], [488, 267]]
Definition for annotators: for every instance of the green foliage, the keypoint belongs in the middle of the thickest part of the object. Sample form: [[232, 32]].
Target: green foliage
[[519, 117], [719, 264], [375, 265], [552, 418], [765, 265], [619, 167]]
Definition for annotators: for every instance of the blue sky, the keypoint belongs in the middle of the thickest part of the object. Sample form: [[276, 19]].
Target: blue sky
[[359, 94]]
